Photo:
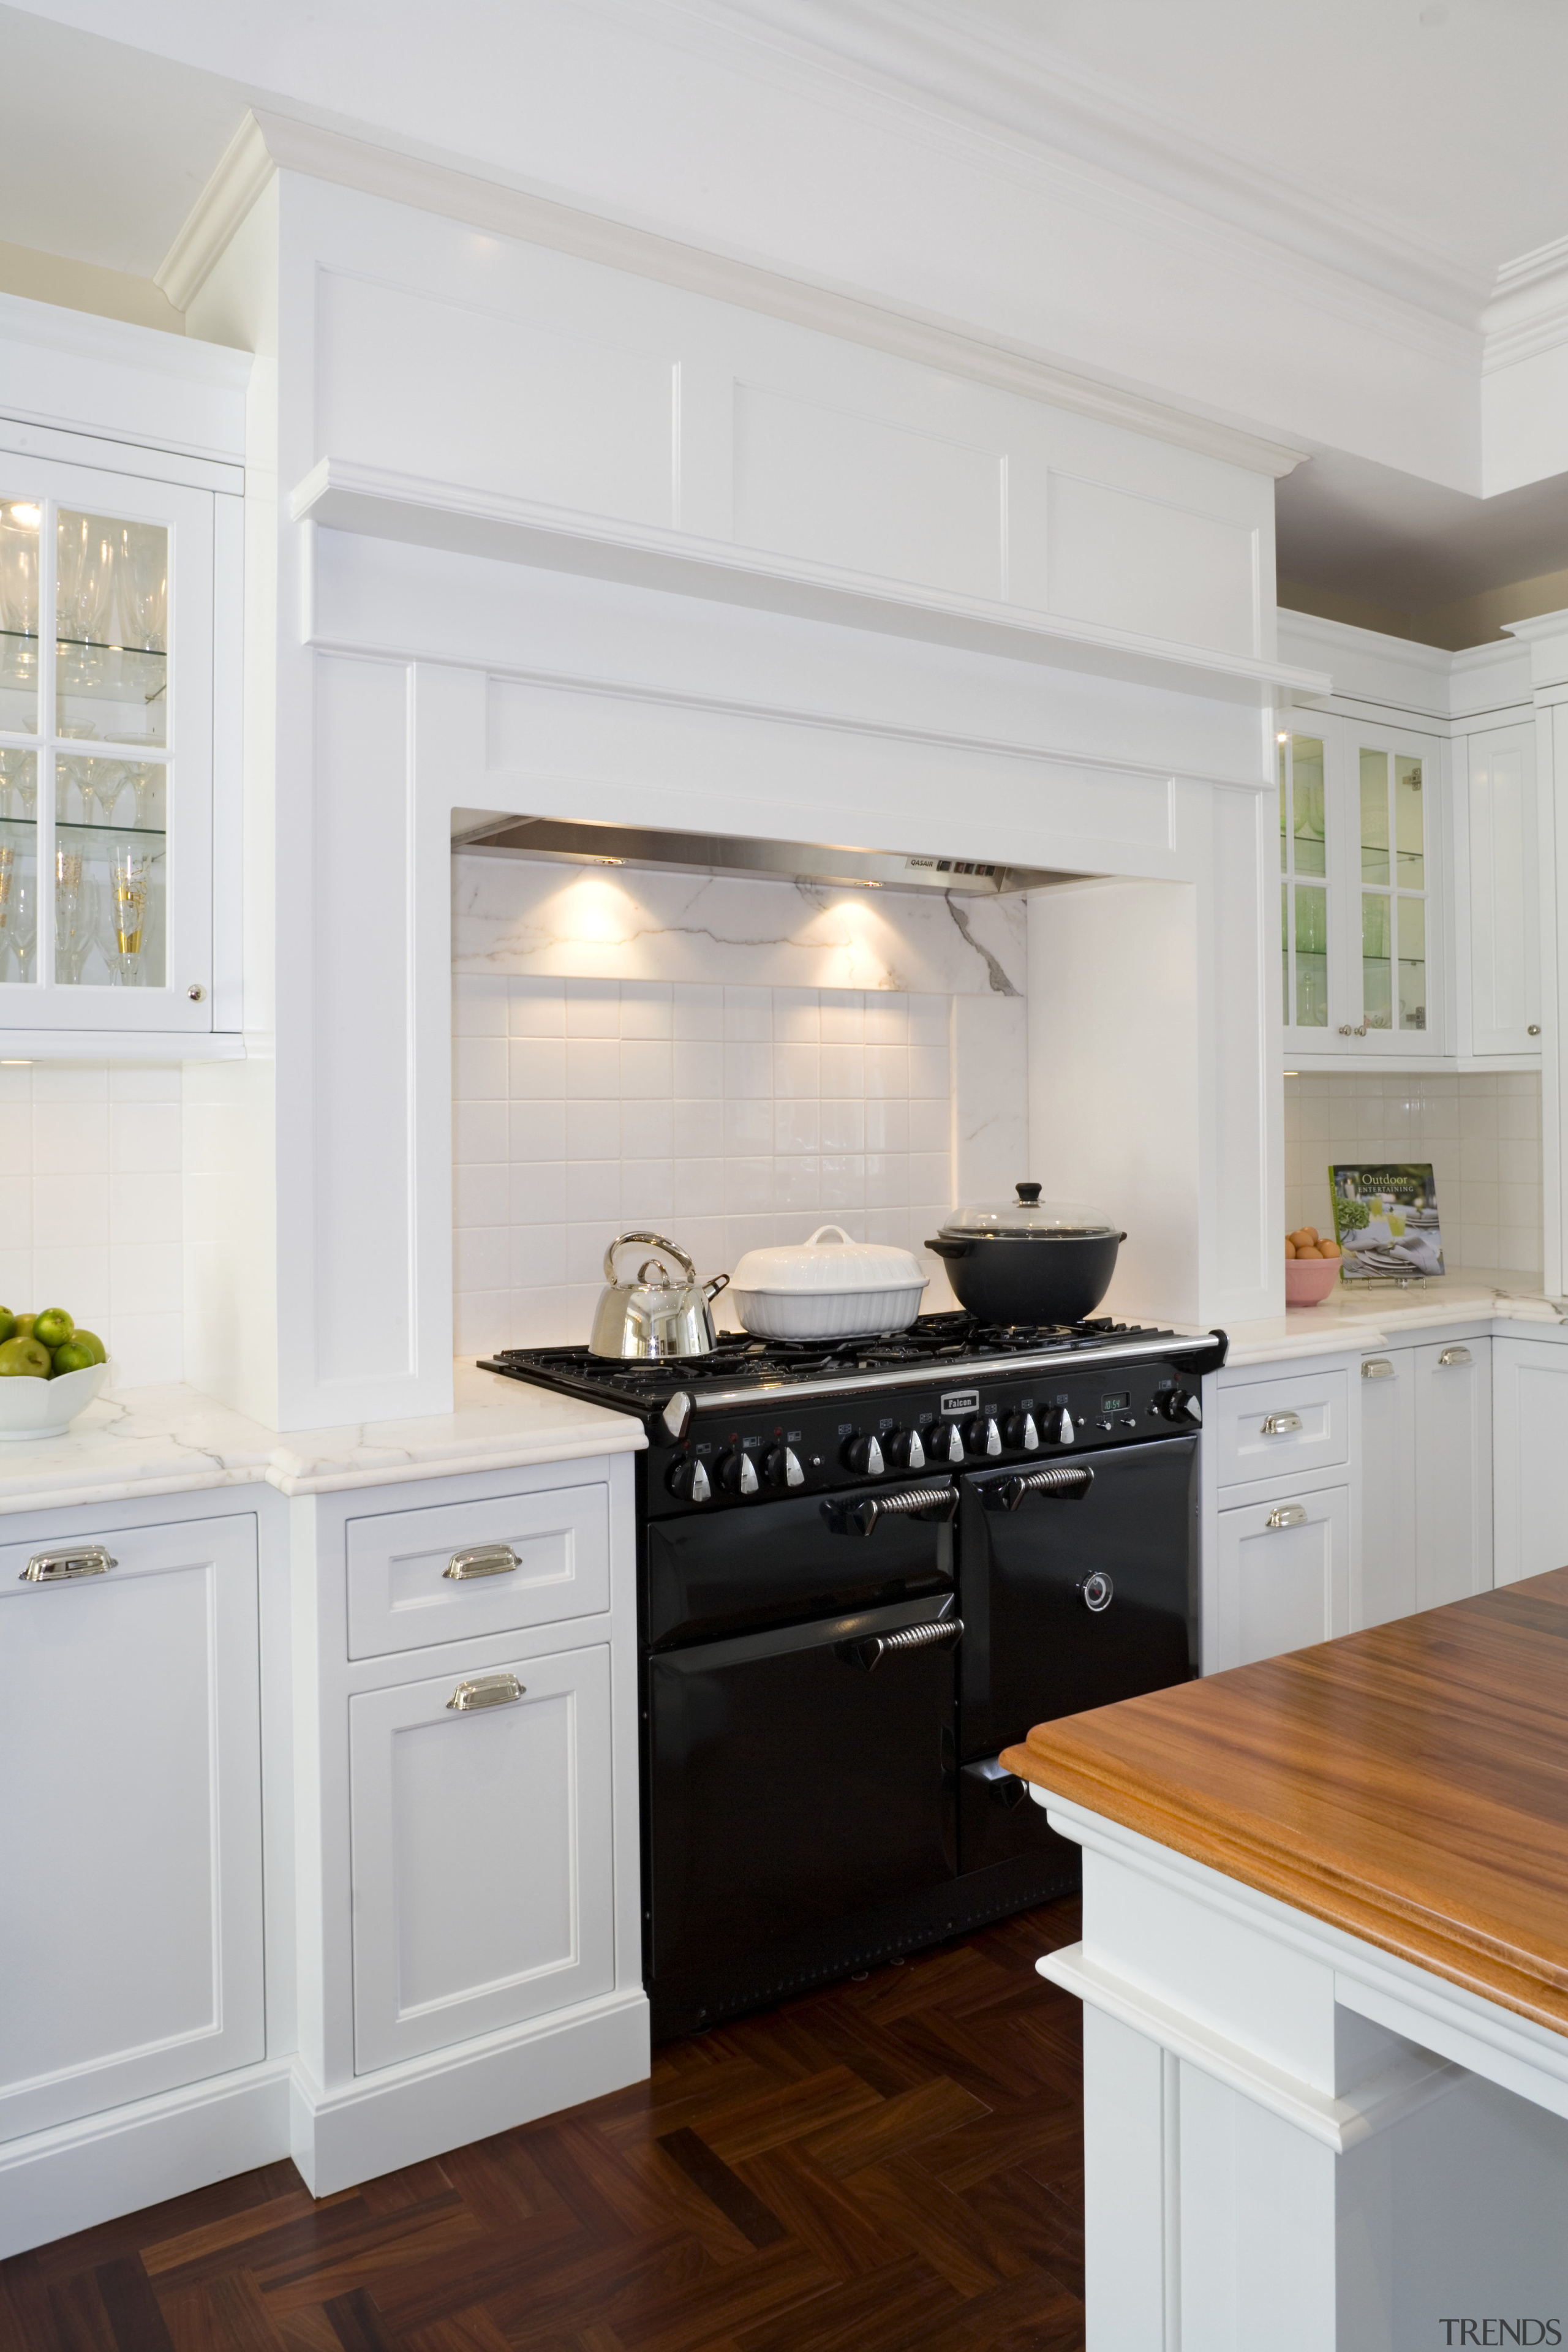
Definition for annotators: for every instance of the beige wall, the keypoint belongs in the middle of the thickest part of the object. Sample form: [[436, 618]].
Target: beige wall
[[1468, 620], [82, 286]]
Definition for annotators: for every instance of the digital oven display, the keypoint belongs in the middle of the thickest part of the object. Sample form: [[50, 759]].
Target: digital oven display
[[1115, 1404]]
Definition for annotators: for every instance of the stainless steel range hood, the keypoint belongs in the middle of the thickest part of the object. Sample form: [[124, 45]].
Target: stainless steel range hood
[[557, 841]]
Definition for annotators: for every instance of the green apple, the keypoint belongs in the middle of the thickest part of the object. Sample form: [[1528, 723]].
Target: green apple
[[24, 1328], [73, 1358], [82, 1338], [24, 1359], [7, 1324], [53, 1327]]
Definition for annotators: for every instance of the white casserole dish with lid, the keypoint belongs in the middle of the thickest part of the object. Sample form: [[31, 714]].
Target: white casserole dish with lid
[[829, 1287]]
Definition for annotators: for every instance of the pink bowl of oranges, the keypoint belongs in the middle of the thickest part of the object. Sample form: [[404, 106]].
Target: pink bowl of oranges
[[1311, 1267]]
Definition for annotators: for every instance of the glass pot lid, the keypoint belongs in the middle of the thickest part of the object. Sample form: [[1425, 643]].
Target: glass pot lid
[[1031, 1217]]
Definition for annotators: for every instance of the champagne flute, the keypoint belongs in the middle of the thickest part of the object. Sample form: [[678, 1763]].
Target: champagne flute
[[133, 878], [73, 925], [23, 924], [143, 564]]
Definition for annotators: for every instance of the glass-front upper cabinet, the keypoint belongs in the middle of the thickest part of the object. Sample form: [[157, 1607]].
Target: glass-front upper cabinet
[[1361, 908], [106, 751]]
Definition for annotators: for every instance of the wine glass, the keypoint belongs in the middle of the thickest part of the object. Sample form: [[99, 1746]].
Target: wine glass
[[23, 918], [142, 565], [19, 570], [144, 783]]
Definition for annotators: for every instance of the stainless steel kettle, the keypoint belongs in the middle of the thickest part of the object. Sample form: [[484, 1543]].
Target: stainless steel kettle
[[656, 1315]]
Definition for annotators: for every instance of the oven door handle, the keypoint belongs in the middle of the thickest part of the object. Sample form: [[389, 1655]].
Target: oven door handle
[[1072, 1480], [868, 1653], [860, 1517]]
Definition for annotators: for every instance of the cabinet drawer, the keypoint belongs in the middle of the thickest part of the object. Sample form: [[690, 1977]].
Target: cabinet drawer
[[1283, 1575], [1281, 1428], [410, 1584]]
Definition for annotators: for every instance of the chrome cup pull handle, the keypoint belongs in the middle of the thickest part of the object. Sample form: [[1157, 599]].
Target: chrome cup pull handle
[[61, 1566], [1455, 1356], [1377, 1368], [486, 1690], [1281, 1424], [483, 1560], [1287, 1514]]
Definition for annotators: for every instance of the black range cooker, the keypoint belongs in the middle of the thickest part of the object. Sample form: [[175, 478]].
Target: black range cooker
[[865, 1568]]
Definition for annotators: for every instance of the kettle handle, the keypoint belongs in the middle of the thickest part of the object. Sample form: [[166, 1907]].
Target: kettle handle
[[658, 1242], [719, 1282]]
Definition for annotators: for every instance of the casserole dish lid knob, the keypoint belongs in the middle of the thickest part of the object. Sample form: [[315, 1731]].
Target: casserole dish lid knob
[[1028, 1215]]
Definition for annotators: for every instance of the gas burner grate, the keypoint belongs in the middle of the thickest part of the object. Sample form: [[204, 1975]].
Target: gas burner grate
[[943, 1341]]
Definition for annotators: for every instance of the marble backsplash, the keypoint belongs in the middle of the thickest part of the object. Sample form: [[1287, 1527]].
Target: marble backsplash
[[731, 1061]]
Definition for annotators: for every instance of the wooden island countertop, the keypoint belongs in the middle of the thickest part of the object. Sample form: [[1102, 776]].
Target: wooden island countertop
[[1408, 1785]]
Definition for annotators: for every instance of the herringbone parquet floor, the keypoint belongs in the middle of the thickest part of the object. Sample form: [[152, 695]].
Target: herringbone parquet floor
[[891, 2166]]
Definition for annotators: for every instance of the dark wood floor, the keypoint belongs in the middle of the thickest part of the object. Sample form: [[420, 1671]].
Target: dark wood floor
[[892, 2166]]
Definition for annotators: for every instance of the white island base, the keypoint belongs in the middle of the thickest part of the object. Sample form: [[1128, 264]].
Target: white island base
[[1295, 2142]]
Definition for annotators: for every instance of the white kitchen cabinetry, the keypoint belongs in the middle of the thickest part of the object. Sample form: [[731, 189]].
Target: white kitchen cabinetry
[[120, 595], [471, 1936], [482, 1847], [1504, 895], [1530, 1406], [1362, 938], [1426, 1478], [1280, 1468], [131, 1950]]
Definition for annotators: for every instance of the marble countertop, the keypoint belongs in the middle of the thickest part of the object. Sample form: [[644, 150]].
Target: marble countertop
[[1352, 1318], [175, 1441]]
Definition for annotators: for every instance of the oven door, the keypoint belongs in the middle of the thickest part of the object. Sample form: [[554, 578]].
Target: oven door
[[1076, 1588], [798, 1776]]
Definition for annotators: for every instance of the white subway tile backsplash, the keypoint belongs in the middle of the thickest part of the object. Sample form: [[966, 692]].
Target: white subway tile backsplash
[[68, 1134], [479, 1069], [73, 1206], [1479, 1129], [70, 1082], [730, 1117]]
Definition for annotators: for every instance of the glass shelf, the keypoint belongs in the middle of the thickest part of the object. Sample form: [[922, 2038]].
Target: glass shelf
[[87, 833]]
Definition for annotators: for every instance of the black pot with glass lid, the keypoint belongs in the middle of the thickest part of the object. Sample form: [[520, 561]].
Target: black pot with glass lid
[[1028, 1260]]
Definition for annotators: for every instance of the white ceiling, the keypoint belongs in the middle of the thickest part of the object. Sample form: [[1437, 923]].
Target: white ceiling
[[1412, 141]]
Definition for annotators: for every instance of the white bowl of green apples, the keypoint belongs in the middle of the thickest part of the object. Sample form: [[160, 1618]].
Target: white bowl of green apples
[[50, 1371]]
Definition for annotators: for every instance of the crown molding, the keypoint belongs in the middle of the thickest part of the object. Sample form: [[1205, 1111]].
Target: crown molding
[[266, 142], [242, 172], [936, 53], [1528, 313]]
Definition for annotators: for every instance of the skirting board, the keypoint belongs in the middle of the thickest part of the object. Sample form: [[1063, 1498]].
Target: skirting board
[[403, 2114], [77, 2175]]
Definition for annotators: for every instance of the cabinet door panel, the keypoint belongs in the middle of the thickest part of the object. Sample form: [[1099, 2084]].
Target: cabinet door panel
[[130, 1708], [481, 1854], [1387, 1578], [1529, 1396], [1280, 1428], [1453, 1472], [1505, 907], [1282, 1587]]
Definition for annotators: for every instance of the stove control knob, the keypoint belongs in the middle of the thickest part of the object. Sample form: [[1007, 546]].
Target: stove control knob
[[1179, 1404], [945, 1443], [908, 1450], [983, 1436], [1059, 1428], [738, 1474], [783, 1468], [865, 1455], [689, 1480], [1023, 1434]]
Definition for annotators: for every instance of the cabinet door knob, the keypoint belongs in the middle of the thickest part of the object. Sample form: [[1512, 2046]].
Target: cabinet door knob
[[486, 1690], [484, 1560], [1454, 1356], [1287, 1514], [1376, 1368], [59, 1567], [1281, 1424], [1360, 1030], [1533, 1030]]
